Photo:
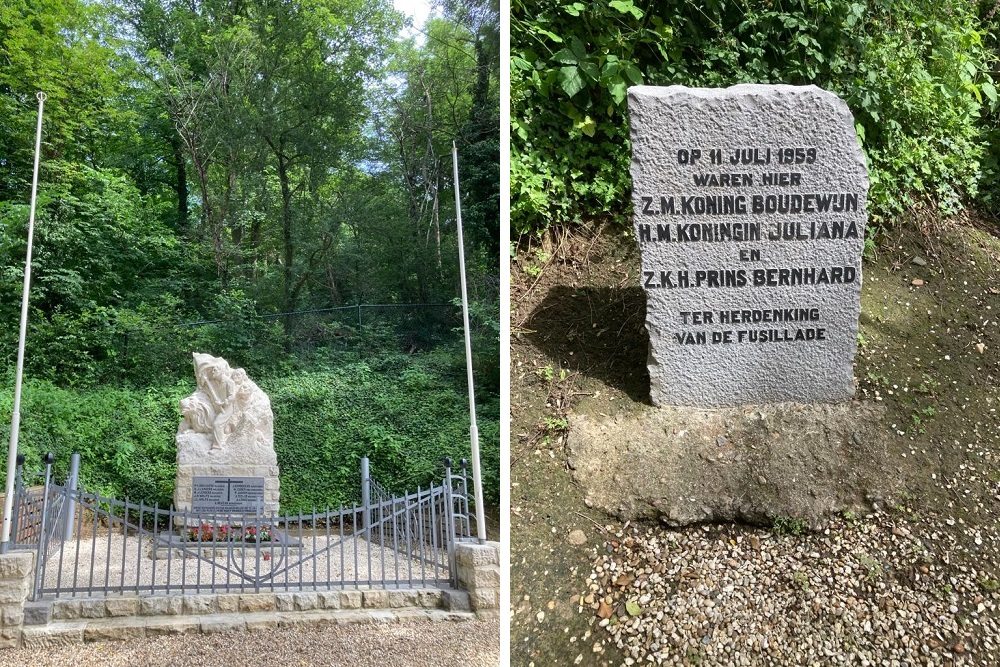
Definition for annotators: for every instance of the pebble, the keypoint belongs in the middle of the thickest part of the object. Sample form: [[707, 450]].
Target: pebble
[[865, 591], [577, 538]]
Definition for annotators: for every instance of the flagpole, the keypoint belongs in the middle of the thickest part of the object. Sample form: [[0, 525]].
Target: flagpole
[[15, 422], [477, 480]]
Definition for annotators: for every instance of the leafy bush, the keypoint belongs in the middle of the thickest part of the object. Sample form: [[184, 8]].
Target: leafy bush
[[915, 74], [405, 413]]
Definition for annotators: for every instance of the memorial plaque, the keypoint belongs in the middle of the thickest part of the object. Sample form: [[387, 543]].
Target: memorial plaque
[[749, 211], [228, 495]]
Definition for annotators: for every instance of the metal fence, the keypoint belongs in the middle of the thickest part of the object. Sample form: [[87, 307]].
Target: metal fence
[[89, 545], [38, 509]]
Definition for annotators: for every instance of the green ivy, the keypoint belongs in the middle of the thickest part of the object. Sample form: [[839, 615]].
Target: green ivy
[[405, 412], [915, 74]]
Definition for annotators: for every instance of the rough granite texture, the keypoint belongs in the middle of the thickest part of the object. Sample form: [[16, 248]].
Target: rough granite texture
[[756, 464], [666, 119]]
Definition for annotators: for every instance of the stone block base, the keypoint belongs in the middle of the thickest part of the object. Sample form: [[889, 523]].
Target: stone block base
[[478, 568], [100, 619], [16, 572], [752, 464]]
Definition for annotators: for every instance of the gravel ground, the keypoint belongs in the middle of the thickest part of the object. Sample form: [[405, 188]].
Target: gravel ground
[[877, 591], [471, 643], [130, 562]]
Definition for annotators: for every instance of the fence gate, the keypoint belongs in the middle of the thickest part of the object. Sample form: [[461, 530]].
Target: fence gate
[[90, 545]]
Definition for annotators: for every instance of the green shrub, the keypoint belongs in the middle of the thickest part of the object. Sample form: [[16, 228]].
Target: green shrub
[[915, 74], [405, 413]]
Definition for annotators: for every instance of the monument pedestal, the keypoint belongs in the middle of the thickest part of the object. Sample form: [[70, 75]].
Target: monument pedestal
[[240, 489], [755, 464]]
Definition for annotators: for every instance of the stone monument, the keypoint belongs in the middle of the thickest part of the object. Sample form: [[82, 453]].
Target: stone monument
[[749, 210], [225, 445]]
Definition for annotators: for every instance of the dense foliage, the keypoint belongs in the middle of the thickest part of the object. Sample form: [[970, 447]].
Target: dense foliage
[[405, 414], [225, 164], [916, 75]]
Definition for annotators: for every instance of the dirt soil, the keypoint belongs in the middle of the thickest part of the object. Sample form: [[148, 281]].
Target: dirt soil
[[929, 352]]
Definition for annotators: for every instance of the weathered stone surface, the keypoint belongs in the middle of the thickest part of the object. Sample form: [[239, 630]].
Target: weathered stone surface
[[172, 625], [484, 576], [306, 601], [161, 605], [37, 613], [199, 604], [404, 598], [126, 606], [429, 598], [65, 609], [10, 637], [456, 601], [13, 592], [11, 615], [117, 629], [382, 616], [408, 614], [262, 621], [441, 615], [345, 617], [375, 599], [484, 598], [284, 601], [93, 608], [227, 431], [222, 623], [257, 602], [48, 636], [474, 554], [350, 599], [311, 618], [227, 603], [16, 565], [704, 227], [328, 599], [688, 465]]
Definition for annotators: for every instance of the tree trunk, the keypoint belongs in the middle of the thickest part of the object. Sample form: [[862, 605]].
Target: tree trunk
[[180, 183], [286, 233]]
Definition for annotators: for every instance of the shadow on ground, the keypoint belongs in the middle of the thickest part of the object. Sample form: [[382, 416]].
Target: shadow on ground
[[596, 331]]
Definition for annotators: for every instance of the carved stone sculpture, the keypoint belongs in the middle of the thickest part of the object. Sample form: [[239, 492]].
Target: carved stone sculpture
[[227, 430]]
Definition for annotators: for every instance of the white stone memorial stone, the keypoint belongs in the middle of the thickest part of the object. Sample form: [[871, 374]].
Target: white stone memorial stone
[[226, 441], [749, 210]]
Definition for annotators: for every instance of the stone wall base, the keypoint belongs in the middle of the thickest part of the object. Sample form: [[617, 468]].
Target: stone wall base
[[58, 622]]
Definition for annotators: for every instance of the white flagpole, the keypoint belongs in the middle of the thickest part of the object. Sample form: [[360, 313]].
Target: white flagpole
[[15, 422], [477, 480]]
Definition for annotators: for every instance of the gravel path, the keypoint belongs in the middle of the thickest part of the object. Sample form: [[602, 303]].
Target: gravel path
[[130, 563], [878, 591], [471, 644]]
